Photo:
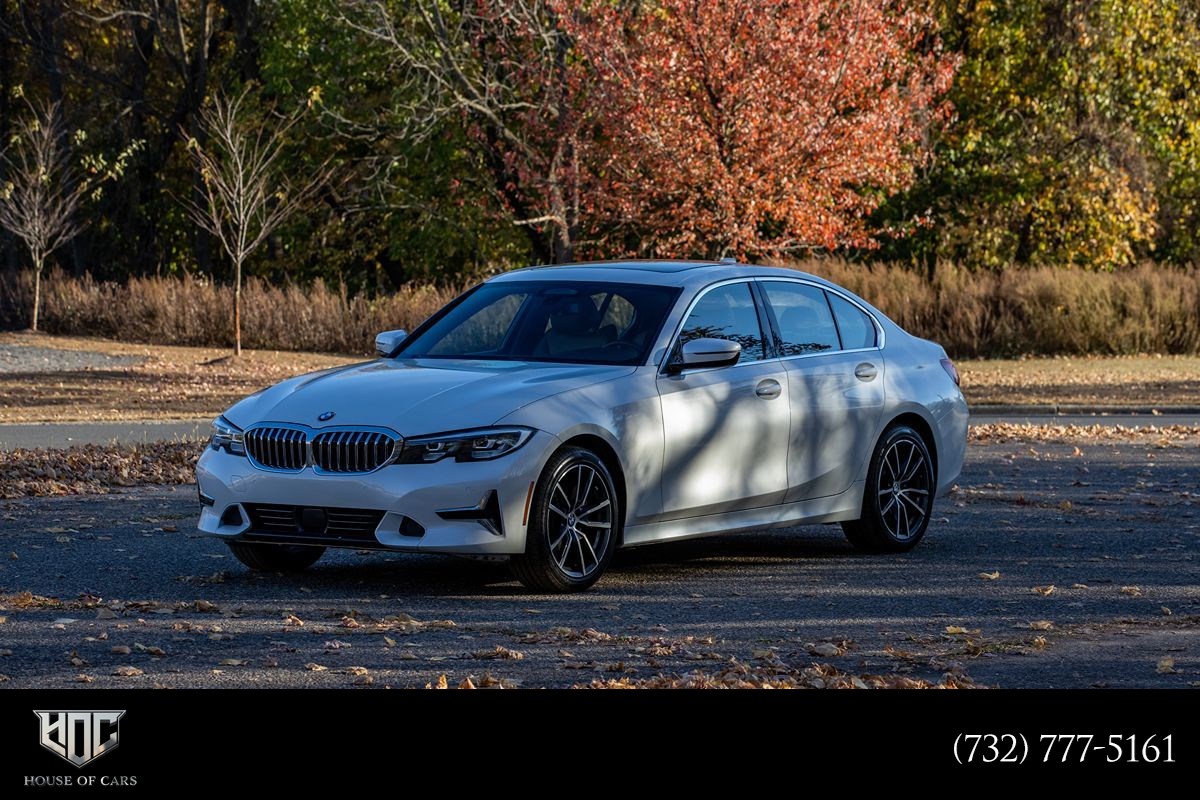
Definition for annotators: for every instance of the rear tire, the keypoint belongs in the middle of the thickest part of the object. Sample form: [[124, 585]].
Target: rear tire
[[574, 524], [898, 498], [276, 557]]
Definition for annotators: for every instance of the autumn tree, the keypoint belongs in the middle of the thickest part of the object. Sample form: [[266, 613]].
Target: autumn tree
[[1076, 139], [505, 68], [248, 190], [40, 190], [735, 127]]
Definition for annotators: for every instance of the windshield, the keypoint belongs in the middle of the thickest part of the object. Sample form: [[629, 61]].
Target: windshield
[[573, 322]]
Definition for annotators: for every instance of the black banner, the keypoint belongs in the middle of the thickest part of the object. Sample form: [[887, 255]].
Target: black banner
[[123, 742]]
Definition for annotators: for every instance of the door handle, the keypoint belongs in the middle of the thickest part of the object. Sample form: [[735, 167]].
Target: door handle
[[865, 371], [769, 389]]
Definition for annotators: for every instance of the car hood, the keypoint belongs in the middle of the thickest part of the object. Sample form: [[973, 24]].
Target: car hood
[[416, 396]]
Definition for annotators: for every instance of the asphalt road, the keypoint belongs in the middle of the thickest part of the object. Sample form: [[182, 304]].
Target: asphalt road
[[58, 435], [1114, 530]]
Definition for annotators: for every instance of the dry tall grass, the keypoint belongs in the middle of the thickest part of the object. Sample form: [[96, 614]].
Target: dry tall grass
[[188, 311], [1045, 311]]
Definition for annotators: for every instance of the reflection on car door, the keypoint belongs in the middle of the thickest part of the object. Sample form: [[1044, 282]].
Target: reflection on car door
[[837, 394], [726, 428]]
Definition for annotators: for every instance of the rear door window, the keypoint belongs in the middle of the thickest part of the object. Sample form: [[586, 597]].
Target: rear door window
[[803, 317]]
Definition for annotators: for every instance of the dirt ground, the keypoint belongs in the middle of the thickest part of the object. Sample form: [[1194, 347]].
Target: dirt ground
[[65, 379], [144, 382], [1084, 380]]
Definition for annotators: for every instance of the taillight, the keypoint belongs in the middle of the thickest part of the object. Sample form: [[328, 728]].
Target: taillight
[[948, 365]]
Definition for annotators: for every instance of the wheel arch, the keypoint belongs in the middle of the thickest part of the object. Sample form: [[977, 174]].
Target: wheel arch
[[925, 430]]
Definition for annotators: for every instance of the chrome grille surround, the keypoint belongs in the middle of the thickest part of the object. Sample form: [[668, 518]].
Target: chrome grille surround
[[351, 450]]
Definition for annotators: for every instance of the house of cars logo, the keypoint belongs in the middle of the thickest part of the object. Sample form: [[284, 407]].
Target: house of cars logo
[[79, 736]]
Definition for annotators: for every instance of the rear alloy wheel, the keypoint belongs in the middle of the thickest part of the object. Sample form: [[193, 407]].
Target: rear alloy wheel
[[899, 495], [574, 523], [276, 557]]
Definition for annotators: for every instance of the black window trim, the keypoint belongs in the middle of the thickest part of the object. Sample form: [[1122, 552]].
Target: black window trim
[[758, 306], [879, 333]]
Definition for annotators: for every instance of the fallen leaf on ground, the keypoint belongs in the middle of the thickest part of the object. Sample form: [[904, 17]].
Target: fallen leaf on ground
[[442, 683], [499, 652], [127, 672], [314, 667], [1166, 666], [1044, 591], [1132, 591], [824, 650], [990, 576], [1042, 625], [958, 630]]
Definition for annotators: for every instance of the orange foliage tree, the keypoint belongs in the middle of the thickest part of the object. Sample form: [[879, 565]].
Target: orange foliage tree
[[750, 128]]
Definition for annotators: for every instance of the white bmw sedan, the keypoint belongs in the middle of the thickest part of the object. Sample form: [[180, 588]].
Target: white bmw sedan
[[552, 415]]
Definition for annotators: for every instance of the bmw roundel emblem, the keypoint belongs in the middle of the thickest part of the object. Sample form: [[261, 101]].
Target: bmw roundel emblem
[[328, 415]]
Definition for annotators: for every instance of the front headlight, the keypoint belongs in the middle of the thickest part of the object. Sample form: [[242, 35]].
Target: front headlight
[[480, 445], [228, 437]]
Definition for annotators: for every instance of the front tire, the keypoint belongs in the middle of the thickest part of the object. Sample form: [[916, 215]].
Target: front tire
[[276, 557], [898, 498], [574, 524]]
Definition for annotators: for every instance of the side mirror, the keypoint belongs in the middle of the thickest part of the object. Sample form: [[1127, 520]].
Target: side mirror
[[700, 353], [387, 342]]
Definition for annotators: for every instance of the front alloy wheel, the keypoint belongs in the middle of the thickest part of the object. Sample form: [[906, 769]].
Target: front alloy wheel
[[573, 526], [899, 494]]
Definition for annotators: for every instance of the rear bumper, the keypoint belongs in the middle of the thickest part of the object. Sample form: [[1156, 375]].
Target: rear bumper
[[952, 445], [415, 491]]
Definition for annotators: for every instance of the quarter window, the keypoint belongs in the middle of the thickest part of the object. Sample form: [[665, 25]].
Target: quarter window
[[804, 320], [857, 329], [727, 312]]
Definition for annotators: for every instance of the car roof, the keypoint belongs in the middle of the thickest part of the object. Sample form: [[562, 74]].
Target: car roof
[[651, 272]]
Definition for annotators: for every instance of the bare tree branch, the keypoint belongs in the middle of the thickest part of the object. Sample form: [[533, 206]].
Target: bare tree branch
[[247, 194], [42, 191]]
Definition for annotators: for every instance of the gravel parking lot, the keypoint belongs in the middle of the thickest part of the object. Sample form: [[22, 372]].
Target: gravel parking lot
[[1051, 566], [26, 359]]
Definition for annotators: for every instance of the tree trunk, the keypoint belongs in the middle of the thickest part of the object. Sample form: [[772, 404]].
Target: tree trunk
[[197, 88], [38, 263], [8, 250], [237, 309]]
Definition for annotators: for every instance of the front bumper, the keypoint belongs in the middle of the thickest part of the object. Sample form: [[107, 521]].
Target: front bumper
[[416, 491]]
